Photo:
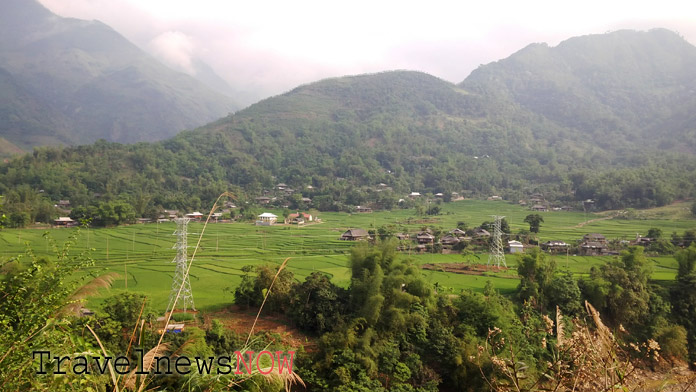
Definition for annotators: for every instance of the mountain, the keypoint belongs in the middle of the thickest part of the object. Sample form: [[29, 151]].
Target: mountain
[[69, 81], [605, 117], [620, 89]]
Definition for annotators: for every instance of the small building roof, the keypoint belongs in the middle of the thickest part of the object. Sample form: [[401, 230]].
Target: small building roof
[[481, 232], [268, 215], [555, 243], [64, 219], [592, 244], [355, 233], [448, 239]]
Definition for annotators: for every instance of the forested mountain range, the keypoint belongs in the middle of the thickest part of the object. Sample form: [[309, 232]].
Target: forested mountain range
[[70, 81], [607, 117]]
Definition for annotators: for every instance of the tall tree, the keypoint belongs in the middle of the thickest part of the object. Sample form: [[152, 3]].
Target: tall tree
[[535, 221], [620, 289], [684, 296], [536, 274]]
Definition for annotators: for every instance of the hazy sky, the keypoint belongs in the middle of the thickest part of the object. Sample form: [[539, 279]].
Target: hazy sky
[[269, 47]]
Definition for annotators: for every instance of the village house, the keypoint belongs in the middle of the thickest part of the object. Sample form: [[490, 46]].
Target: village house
[[64, 221], [170, 214], [363, 209], [458, 233], [425, 238], [355, 235], [480, 232], [539, 208], [642, 241], [263, 200], [593, 244], [555, 246], [196, 216], [449, 241], [299, 218], [515, 246], [537, 198], [403, 236], [413, 195], [266, 219]]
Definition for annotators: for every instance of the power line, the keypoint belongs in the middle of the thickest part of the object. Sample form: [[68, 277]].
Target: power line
[[181, 279], [497, 253]]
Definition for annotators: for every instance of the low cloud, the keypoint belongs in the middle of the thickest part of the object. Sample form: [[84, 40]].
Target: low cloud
[[175, 49]]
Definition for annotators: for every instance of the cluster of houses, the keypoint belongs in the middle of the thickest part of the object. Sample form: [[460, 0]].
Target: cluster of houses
[[592, 244], [296, 218], [538, 203], [425, 240]]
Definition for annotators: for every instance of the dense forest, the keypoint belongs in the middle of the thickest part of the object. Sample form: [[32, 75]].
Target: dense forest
[[602, 117]]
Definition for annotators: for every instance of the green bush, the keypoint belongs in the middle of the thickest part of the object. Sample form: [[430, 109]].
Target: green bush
[[179, 317], [672, 340]]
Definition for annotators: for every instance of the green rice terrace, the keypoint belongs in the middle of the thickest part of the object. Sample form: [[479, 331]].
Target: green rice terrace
[[144, 252]]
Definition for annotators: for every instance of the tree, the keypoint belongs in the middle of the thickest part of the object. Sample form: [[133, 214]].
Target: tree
[[684, 296], [252, 290], [536, 273], [317, 305], [534, 220], [620, 290], [563, 291], [35, 294], [655, 233]]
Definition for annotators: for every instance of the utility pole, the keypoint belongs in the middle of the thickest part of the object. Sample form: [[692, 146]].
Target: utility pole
[[497, 253], [181, 285]]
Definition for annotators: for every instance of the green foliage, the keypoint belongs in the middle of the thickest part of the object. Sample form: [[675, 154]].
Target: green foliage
[[253, 289], [317, 305], [535, 221], [564, 292], [35, 291], [619, 289], [654, 233], [684, 296], [673, 342], [536, 273], [105, 213]]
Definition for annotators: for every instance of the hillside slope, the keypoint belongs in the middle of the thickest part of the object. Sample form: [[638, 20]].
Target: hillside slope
[[73, 82], [496, 133], [622, 89]]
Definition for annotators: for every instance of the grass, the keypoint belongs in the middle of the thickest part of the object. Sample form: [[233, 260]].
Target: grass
[[144, 253]]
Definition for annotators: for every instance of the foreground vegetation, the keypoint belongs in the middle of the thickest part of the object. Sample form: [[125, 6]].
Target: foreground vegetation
[[388, 330]]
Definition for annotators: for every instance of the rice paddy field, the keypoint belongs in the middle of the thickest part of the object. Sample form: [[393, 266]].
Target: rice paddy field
[[142, 254]]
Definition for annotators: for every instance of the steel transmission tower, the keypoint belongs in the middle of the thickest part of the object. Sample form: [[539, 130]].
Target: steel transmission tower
[[181, 279], [497, 255]]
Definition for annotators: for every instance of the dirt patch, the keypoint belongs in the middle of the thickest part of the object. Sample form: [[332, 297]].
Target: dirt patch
[[465, 268], [241, 320]]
